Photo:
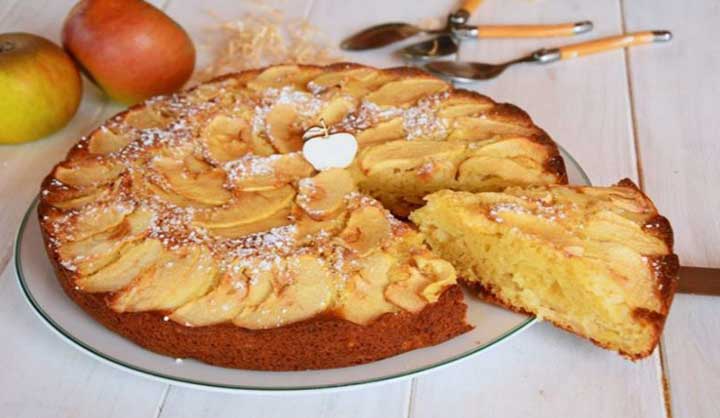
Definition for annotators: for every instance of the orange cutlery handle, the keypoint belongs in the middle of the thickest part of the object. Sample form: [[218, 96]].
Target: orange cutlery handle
[[533, 31], [613, 42], [470, 5]]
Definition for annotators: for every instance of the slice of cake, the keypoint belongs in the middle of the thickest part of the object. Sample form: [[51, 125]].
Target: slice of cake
[[596, 261]]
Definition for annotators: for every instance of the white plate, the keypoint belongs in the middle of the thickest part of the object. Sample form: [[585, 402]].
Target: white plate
[[44, 294]]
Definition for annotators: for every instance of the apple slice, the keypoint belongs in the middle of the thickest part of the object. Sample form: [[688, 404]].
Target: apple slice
[[274, 220], [222, 138], [254, 173], [336, 109], [364, 299], [282, 75], [366, 230], [247, 207], [96, 219], [307, 228], [406, 91], [146, 118], [221, 304], [391, 130], [173, 282], [282, 130], [323, 196], [406, 289], [441, 273], [474, 128], [205, 187], [309, 292], [91, 254], [104, 141], [135, 258], [408, 155], [88, 173]]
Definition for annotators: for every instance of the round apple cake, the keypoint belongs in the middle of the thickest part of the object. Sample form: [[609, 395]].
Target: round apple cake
[[193, 225]]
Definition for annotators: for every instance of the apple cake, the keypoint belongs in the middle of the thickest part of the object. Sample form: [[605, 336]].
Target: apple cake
[[192, 224], [597, 261]]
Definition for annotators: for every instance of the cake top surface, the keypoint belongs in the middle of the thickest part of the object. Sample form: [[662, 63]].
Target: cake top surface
[[204, 196]]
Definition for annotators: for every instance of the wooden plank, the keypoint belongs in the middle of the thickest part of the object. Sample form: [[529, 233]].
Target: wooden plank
[[584, 105], [383, 400], [675, 94], [43, 376]]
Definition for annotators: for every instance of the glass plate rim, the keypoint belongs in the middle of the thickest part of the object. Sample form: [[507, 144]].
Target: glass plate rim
[[87, 348]]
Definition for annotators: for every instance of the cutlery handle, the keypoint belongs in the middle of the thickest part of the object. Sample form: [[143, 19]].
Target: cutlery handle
[[470, 5], [613, 42], [533, 31]]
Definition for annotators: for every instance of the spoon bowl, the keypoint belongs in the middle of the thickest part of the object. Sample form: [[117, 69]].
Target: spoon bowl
[[441, 46]]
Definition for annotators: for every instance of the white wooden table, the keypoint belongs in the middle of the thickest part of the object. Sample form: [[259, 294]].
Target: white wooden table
[[650, 114]]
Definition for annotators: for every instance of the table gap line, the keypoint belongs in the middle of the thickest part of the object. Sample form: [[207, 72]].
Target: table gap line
[[665, 380], [163, 399], [411, 398], [631, 100]]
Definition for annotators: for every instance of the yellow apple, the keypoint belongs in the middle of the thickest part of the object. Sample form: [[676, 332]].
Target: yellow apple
[[40, 87]]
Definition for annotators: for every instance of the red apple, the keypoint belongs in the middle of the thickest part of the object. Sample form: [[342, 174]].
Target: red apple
[[131, 49], [40, 87]]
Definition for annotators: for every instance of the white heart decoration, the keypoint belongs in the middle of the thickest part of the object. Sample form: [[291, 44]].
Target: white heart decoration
[[332, 151]]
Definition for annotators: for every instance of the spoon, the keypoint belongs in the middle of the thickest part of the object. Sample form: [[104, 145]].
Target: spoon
[[381, 35], [466, 72], [447, 43]]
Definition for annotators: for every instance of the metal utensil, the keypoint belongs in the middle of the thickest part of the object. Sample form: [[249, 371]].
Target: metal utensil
[[447, 43], [466, 72], [455, 28], [699, 281], [385, 34]]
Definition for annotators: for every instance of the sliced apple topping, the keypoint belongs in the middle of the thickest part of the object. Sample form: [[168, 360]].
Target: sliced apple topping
[[185, 179], [89, 255], [95, 219], [336, 109], [220, 305], [473, 128], [135, 259], [282, 128], [176, 280], [253, 173], [408, 155], [282, 75], [88, 173], [364, 298], [307, 229], [271, 220], [323, 196], [366, 230], [105, 141], [340, 78], [382, 132], [308, 292], [440, 271], [406, 91], [501, 170], [246, 208], [145, 118], [406, 289], [223, 138]]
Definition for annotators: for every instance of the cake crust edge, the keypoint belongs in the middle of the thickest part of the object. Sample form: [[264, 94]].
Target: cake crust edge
[[322, 342]]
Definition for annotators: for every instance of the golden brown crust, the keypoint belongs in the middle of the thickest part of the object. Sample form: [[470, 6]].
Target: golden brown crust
[[340, 342], [318, 343]]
